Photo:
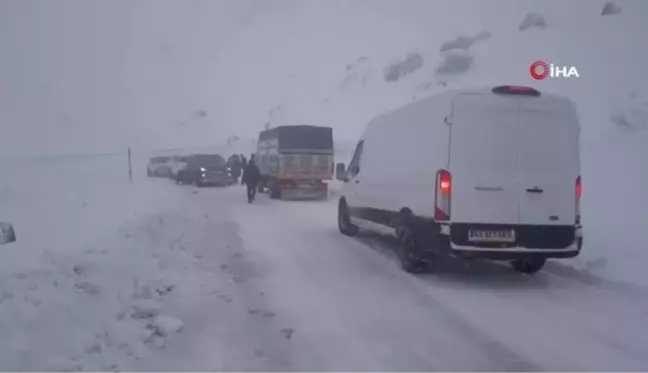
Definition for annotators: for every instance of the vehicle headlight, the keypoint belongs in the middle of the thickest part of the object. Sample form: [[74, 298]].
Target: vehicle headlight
[[203, 170]]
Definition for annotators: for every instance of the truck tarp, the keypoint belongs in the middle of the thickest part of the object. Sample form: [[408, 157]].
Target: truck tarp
[[300, 137], [296, 152]]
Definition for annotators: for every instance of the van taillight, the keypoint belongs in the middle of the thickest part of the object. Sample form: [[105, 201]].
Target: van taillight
[[579, 193], [579, 188], [443, 191]]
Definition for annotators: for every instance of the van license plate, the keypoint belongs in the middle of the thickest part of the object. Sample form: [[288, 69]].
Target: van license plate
[[491, 235]]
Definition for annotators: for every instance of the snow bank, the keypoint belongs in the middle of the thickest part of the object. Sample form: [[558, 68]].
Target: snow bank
[[56, 205], [95, 258]]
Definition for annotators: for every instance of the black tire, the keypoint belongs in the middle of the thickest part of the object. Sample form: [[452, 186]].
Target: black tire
[[275, 191], [344, 221], [180, 178], [148, 173], [410, 250], [528, 266]]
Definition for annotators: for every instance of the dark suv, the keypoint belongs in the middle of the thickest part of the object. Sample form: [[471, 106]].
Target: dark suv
[[205, 169]]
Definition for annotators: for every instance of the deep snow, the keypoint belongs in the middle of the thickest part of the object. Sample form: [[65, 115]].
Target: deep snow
[[149, 276], [95, 258], [290, 293]]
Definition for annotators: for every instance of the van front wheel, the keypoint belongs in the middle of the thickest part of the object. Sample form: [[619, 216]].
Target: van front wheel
[[344, 221], [528, 266]]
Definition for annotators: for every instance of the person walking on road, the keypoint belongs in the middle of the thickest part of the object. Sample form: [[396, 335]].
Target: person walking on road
[[251, 176], [243, 166]]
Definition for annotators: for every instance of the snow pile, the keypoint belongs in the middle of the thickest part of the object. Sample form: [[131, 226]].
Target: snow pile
[[84, 286], [106, 302]]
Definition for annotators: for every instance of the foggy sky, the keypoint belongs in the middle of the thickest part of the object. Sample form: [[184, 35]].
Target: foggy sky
[[100, 75]]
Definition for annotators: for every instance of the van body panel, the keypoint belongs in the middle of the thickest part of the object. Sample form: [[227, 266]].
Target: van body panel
[[549, 163], [402, 152], [483, 159]]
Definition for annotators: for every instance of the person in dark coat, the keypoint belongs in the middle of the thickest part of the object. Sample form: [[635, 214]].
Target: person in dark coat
[[243, 166], [251, 176], [234, 165]]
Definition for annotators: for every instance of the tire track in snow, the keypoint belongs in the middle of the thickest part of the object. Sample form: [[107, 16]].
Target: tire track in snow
[[228, 324], [571, 317], [319, 254], [586, 314]]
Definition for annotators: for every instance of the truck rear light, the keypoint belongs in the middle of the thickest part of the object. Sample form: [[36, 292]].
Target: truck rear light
[[579, 193], [442, 194], [286, 184]]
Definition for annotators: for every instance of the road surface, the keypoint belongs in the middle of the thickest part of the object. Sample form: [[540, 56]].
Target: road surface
[[283, 290]]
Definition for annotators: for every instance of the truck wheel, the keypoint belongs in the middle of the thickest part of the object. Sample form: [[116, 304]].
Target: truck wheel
[[325, 194], [275, 191], [344, 221], [410, 251], [528, 266], [148, 173]]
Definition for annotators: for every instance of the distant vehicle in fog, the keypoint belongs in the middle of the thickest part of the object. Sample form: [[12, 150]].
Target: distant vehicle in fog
[[158, 167], [296, 162], [203, 170]]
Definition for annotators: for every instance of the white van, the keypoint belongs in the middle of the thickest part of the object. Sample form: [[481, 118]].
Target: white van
[[491, 173]]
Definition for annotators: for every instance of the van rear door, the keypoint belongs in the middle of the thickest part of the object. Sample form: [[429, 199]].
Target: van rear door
[[548, 161], [484, 159]]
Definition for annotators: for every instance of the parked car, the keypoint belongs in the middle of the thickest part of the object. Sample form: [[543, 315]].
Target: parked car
[[491, 173], [205, 169], [7, 233], [158, 167]]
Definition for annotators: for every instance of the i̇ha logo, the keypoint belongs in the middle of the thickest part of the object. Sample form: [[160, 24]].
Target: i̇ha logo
[[541, 70]]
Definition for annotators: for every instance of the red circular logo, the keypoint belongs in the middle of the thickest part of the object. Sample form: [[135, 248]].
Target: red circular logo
[[539, 70]]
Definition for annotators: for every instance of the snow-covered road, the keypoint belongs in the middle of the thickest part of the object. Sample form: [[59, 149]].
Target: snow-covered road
[[274, 286]]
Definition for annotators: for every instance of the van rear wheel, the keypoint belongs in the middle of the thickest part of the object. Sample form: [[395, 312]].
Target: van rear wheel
[[275, 191], [410, 251], [528, 265]]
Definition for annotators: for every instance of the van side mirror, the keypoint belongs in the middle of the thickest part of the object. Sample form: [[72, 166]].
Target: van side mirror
[[7, 233], [340, 171]]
